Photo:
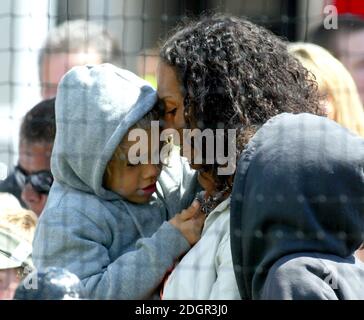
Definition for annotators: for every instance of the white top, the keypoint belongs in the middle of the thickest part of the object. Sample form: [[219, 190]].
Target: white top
[[206, 271]]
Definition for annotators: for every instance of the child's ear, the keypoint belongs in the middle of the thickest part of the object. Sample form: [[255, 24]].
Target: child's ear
[[114, 161]]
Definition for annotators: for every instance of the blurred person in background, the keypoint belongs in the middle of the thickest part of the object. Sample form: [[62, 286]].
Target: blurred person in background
[[31, 179], [346, 43], [147, 63], [73, 43], [17, 228], [335, 83]]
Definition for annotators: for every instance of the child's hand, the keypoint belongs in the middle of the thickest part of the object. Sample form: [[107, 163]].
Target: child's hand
[[190, 222]]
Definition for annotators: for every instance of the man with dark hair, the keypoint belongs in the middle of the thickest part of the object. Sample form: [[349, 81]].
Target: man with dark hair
[[347, 44], [31, 179], [73, 43]]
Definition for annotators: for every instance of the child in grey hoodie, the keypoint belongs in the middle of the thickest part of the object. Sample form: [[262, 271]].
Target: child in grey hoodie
[[106, 219]]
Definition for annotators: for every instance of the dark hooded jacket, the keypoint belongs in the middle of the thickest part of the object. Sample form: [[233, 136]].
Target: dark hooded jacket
[[297, 211]]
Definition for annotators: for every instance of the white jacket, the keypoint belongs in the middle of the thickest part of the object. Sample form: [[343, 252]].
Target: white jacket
[[206, 271]]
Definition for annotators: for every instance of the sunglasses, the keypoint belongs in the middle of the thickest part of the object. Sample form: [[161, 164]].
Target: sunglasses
[[41, 181]]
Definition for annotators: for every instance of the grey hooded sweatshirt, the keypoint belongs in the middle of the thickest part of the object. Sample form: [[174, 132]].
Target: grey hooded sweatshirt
[[118, 249], [297, 211]]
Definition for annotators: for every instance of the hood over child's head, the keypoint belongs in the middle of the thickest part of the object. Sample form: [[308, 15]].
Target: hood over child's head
[[95, 108]]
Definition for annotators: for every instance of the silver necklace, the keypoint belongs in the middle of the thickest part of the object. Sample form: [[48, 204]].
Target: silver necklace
[[211, 202]]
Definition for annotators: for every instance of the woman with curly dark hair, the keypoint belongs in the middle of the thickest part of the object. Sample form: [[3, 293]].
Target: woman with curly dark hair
[[224, 73]]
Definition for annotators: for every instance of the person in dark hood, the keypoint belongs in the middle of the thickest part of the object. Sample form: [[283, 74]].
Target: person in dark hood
[[297, 211]]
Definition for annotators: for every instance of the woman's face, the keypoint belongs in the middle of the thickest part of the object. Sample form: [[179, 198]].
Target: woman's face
[[170, 93]]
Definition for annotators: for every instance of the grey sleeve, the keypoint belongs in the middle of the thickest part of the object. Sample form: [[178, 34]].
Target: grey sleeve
[[294, 280], [179, 184], [79, 245]]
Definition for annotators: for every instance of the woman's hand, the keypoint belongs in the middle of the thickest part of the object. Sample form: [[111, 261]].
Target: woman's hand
[[190, 222]]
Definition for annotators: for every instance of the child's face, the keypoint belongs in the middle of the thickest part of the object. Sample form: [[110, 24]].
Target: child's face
[[170, 93], [135, 183]]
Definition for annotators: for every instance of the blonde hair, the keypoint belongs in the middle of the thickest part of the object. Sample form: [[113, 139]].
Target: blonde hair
[[334, 81], [19, 222]]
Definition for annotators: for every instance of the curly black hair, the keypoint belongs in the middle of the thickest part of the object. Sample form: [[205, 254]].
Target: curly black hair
[[237, 74]]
